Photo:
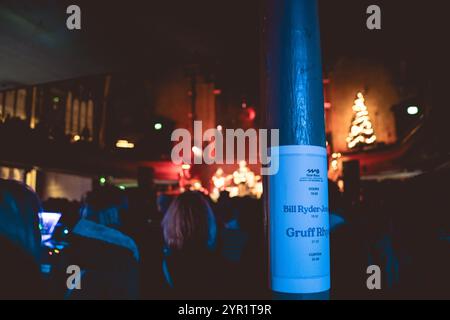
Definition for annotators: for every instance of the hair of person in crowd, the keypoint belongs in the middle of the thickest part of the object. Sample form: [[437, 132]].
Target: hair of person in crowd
[[103, 205], [19, 216], [189, 223]]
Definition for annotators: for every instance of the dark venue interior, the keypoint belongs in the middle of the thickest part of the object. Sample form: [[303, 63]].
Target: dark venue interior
[[93, 205]]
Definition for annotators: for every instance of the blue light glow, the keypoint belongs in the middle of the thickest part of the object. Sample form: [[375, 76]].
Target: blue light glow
[[49, 220]]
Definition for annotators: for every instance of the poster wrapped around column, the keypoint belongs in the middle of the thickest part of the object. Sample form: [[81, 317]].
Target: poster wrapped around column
[[299, 221]]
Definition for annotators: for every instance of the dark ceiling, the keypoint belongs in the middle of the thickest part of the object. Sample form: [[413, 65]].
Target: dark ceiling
[[36, 47]]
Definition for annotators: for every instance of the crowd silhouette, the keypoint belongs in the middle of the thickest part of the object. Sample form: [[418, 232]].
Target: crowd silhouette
[[135, 244]]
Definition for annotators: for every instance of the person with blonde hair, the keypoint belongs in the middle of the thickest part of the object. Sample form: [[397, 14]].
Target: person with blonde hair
[[191, 263]]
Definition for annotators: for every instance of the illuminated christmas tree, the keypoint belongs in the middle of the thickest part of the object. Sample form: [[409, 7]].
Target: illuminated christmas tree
[[361, 133]]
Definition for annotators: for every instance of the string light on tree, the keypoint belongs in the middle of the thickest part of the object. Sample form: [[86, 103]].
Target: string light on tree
[[361, 132]]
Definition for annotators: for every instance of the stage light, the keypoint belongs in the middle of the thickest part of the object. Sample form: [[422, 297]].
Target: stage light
[[122, 187], [158, 126], [219, 127], [197, 151], [76, 138], [197, 185], [124, 144], [251, 114], [413, 110], [102, 180]]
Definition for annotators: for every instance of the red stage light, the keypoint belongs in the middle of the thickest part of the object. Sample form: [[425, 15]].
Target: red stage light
[[251, 114]]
